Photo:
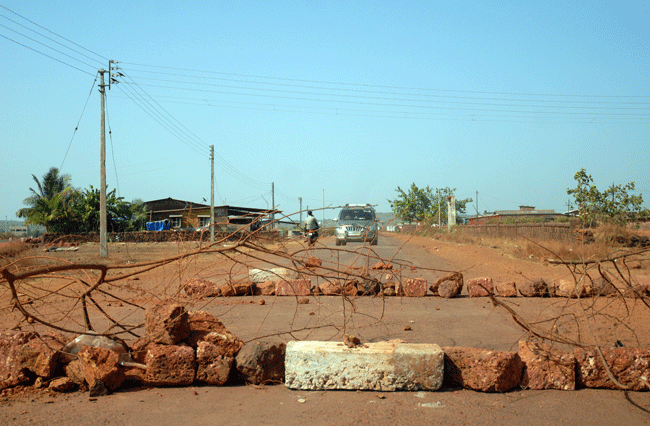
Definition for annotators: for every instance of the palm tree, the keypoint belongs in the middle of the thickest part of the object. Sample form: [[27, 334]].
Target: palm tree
[[44, 202]]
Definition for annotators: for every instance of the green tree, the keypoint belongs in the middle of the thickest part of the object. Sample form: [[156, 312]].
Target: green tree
[[421, 204], [614, 205], [49, 201], [65, 210], [121, 216]]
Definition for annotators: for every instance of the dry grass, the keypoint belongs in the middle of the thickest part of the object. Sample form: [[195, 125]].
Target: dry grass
[[608, 239]]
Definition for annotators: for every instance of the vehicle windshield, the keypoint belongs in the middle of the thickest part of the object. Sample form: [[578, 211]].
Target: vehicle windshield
[[356, 214]]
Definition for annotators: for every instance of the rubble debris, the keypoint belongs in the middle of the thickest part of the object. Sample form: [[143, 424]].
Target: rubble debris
[[506, 289], [480, 287], [170, 365], [546, 367], [267, 288], [166, 323], [261, 362], [351, 341], [293, 287], [201, 288], [533, 288], [415, 287], [101, 365], [12, 372], [482, 369], [630, 367], [212, 367]]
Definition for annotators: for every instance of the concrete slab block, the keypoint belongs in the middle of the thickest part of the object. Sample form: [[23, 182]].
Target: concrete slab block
[[381, 366], [273, 274]]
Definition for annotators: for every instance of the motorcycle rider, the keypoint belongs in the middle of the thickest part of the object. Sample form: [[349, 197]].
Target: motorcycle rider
[[311, 226]]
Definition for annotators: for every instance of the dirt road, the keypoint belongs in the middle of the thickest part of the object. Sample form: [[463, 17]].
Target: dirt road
[[461, 321]]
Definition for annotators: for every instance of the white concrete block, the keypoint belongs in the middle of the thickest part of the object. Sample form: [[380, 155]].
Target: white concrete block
[[273, 274], [382, 366]]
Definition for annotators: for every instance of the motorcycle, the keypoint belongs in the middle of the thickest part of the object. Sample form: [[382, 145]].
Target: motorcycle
[[310, 236]]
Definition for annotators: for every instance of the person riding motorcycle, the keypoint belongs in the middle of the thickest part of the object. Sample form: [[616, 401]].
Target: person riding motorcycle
[[311, 227]]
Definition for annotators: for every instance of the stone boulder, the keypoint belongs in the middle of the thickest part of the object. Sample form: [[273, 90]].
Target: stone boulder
[[382, 266], [240, 287], [350, 288], [313, 262], [602, 286], [369, 287], [62, 384], [293, 287], [506, 289], [389, 288], [75, 372], [534, 288], [630, 367], [12, 372], [480, 287], [170, 365], [261, 362], [569, 289], [415, 287], [330, 288], [42, 355], [101, 365], [227, 343], [481, 369], [211, 366], [266, 288], [201, 324], [448, 286], [197, 287], [546, 367], [166, 323]]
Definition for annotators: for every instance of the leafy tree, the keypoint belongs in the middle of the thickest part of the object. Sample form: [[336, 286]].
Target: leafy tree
[[421, 204], [121, 216], [614, 205], [49, 201], [65, 210]]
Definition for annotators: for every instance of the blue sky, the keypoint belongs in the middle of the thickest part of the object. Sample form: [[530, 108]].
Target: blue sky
[[344, 101]]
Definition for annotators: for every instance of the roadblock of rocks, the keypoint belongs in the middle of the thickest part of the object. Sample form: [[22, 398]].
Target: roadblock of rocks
[[183, 348], [380, 281]]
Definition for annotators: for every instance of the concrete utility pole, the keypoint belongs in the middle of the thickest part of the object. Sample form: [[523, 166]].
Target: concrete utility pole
[[477, 205], [323, 206], [439, 224], [300, 223], [273, 204], [103, 246], [212, 195]]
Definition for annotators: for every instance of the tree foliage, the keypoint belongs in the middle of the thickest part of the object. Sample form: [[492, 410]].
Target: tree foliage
[[65, 210], [424, 204], [614, 205]]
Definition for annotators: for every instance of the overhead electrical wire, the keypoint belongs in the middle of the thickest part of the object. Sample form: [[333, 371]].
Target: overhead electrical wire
[[52, 32], [384, 86], [394, 101], [147, 103], [78, 122]]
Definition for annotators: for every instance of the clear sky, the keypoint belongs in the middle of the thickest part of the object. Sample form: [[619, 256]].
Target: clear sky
[[336, 100]]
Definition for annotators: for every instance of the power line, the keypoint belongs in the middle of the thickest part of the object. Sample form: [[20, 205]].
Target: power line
[[46, 55], [78, 122], [52, 32], [405, 96], [44, 36], [388, 87]]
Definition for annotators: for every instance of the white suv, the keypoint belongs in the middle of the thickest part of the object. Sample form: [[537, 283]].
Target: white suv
[[357, 222]]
